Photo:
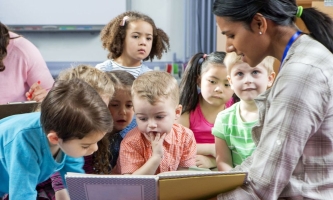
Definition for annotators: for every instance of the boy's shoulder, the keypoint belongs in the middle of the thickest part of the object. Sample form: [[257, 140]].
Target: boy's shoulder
[[230, 112], [181, 131], [133, 137]]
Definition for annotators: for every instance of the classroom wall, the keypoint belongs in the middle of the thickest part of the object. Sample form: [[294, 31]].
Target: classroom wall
[[86, 47]]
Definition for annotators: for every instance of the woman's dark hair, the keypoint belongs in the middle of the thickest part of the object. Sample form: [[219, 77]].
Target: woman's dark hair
[[189, 96], [4, 41], [282, 12]]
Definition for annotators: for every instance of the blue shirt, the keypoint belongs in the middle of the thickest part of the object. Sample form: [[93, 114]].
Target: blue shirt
[[25, 157]]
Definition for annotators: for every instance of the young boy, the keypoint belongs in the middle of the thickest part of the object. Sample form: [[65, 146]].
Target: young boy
[[233, 126], [73, 119], [157, 144]]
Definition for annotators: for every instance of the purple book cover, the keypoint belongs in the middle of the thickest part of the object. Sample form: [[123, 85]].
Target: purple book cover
[[105, 187]]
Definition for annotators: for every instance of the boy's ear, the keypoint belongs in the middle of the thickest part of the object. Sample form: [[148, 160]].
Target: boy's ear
[[179, 109], [230, 82], [271, 79], [53, 137]]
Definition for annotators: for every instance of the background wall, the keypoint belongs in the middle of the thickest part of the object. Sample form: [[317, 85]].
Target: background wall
[[85, 47]]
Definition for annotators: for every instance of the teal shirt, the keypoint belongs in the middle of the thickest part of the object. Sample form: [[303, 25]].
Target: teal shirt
[[25, 157], [237, 134]]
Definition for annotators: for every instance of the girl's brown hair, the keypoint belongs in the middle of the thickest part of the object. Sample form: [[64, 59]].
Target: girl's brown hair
[[113, 35]]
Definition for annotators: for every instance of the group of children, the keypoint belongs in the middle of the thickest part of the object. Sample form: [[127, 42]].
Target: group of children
[[127, 119]]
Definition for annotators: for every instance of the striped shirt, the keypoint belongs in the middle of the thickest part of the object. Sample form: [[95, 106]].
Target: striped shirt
[[111, 65], [230, 127], [179, 149], [294, 135]]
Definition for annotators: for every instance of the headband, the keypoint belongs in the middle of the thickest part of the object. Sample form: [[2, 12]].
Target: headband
[[122, 23], [299, 11]]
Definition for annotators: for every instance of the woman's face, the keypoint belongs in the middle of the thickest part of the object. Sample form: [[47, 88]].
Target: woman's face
[[240, 39]]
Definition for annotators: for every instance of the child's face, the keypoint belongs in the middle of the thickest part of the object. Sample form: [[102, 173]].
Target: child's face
[[214, 85], [121, 108], [157, 118], [248, 82], [138, 41], [81, 147]]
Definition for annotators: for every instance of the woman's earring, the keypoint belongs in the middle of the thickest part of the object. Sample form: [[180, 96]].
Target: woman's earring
[[260, 33]]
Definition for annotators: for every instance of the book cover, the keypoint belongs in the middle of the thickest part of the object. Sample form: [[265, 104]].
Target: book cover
[[167, 185], [105, 187]]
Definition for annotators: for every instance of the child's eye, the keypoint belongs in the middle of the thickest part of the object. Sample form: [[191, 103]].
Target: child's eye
[[129, 106], [227, 85], [230, 36], [142, 119], [160, 117], [255, 72], [135, 36], [113, 105], [212, 82], [85, 147], [239, 74], [149, 38]]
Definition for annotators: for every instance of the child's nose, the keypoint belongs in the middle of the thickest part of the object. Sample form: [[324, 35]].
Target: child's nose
[[248, 79], [94, 147], [152, 124]]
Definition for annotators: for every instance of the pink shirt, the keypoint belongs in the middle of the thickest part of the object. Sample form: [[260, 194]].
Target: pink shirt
[[24, 67], [201, 128]]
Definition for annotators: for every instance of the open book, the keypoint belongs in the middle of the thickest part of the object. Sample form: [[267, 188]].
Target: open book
[[167, 185]]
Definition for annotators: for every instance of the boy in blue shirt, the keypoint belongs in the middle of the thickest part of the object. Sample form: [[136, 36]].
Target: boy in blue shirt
[[33, 146]]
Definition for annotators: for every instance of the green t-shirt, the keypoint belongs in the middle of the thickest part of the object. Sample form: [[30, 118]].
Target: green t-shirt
[[237, 134]]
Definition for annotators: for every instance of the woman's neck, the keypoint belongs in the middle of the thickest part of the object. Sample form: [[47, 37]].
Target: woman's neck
[[127, 62], [280, 36], [248, 111]]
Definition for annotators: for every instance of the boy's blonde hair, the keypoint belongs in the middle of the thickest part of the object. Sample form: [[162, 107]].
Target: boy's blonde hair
[[232, 59], [94, 77], [154, 85]]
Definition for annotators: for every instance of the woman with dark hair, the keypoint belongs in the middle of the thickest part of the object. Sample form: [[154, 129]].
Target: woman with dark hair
[[294, 135], [23, 71]]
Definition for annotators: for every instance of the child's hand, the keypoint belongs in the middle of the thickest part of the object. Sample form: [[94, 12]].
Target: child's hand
[[36, 93], [156, 141], [205, 161]]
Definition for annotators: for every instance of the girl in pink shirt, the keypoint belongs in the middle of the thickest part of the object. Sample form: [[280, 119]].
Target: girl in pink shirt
[[207, 74], [21, 67]]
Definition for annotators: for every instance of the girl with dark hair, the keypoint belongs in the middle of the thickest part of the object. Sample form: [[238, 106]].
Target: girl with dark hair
[[294, 134], [21, 67], [209, 74]]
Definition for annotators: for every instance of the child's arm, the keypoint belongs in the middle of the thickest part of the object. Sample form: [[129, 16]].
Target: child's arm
[[184, 119], [206, 154], [223, 155], [206, 149], [150, 167], [62, 195]]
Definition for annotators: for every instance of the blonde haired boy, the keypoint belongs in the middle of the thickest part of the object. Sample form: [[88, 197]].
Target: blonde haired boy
[[157, 144], [233, 126]]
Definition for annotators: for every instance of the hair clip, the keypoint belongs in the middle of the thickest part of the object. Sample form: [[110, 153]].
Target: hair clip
[[299, 11], [204, 56], [122, 23]]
